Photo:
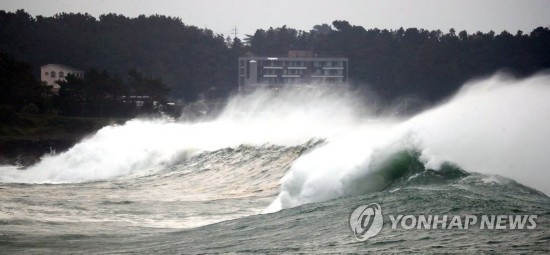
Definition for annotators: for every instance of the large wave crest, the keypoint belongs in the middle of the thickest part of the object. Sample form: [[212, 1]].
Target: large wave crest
[[499, 125]]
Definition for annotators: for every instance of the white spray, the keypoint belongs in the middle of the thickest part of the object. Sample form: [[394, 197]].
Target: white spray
[[493, 126], [140, 146]]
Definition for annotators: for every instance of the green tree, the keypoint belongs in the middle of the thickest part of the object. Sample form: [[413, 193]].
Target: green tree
[[18, 85]]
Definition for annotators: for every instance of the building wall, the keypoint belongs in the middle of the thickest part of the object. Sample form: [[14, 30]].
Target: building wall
[[52, 73], [256, 72]]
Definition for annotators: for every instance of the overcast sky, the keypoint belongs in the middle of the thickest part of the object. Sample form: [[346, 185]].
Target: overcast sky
[[222, 16]]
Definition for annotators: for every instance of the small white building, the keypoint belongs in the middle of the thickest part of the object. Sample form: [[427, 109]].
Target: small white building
[[51, 73]]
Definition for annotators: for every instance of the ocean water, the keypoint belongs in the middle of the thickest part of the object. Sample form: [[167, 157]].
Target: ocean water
[[282, 173]]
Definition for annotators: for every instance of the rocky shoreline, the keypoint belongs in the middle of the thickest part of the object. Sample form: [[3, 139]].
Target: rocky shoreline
[[24, 141], [26, 151]]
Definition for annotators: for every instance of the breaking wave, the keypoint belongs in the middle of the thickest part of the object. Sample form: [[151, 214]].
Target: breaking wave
[[141, 146], [494, 126]]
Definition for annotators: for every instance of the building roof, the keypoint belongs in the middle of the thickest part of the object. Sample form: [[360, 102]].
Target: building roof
[[295, 58], [62, 66]]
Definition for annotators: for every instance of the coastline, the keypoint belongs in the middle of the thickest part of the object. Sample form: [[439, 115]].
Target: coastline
[[30, 136]]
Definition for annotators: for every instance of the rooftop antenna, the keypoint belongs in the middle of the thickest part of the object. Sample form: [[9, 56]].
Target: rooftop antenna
[[234, 32]]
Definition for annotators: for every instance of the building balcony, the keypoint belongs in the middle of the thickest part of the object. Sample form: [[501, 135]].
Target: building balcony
[[297, 67], [333, 68], [327, 76], [273, 67], [291, 76]]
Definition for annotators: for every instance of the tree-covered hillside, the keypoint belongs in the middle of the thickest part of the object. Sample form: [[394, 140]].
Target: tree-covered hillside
[[429, 64], [193, 61], [187, 58]]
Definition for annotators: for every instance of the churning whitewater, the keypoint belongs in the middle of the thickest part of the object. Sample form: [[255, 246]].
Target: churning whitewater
[[313, 152]]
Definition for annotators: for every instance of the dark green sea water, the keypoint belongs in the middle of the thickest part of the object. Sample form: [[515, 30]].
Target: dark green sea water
[[149, 214]]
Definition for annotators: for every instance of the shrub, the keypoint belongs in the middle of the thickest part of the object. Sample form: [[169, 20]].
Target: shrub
[[30, 109], [7, 114]]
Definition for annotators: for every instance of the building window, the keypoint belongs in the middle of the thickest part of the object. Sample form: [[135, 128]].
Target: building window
[[52, 74], [46, 73], [61, 74]]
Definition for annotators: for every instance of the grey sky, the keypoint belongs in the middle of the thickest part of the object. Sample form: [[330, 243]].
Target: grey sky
[[222, 16]]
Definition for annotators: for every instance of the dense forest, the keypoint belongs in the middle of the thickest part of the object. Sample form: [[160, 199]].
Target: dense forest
[[428, 64], [194, 62]]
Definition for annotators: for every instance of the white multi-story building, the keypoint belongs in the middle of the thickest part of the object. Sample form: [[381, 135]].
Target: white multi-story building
[[51, 73], [298, 69]]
